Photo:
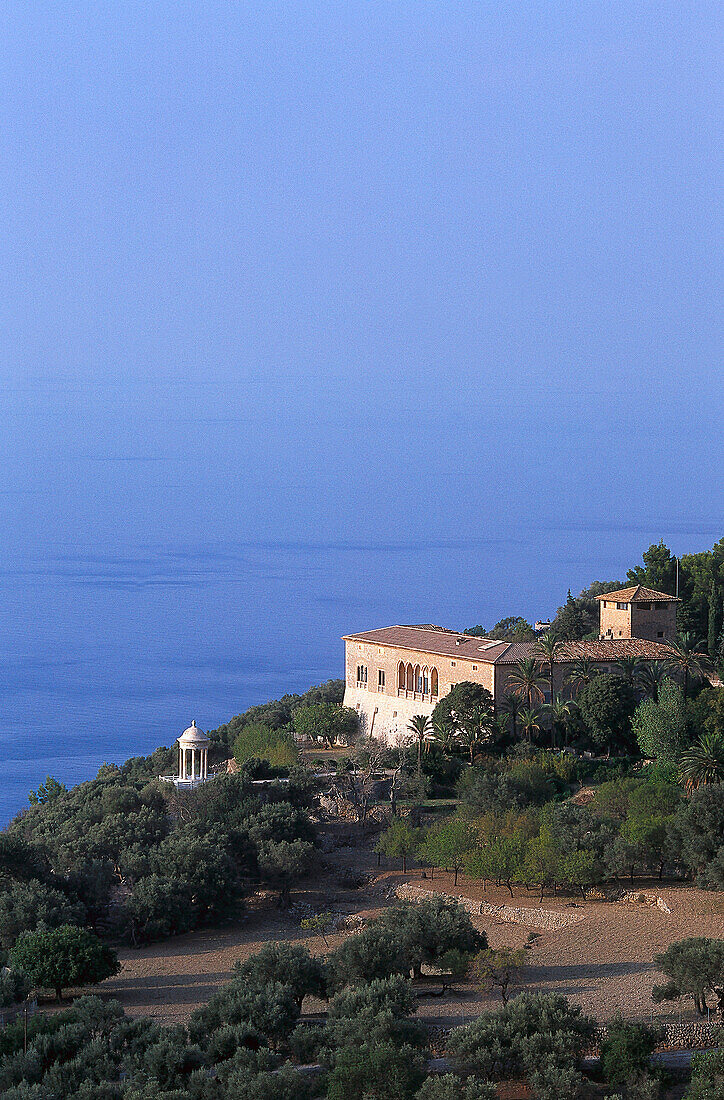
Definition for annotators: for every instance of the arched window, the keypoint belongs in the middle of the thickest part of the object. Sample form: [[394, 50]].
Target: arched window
[[401, 675], [418, 678], [433, 682], [425, 680], [410, 678]]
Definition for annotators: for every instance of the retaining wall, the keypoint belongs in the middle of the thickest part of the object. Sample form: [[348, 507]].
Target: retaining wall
[[548, 920]]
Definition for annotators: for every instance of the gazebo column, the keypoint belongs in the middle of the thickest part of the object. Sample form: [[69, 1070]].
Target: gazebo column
[[181, 762]]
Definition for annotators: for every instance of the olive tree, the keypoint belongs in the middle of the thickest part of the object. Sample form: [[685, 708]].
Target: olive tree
[[56, 958]]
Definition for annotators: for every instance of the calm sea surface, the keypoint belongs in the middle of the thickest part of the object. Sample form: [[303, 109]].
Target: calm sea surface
[[106, 658]]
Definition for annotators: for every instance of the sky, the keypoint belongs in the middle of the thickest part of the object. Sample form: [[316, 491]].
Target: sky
[[359, 273]]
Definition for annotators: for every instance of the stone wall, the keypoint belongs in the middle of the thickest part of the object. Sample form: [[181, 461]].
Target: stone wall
[[548, 920]]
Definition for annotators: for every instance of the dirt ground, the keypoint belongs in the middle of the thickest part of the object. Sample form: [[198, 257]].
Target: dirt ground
[[604, 962]]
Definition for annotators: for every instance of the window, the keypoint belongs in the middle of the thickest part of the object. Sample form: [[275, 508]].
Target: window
[[475, 668], [361, 675], [644, 606], [622, 607], [453, 663], [380, 679], [433, 682], [394, 714], [659, 633]]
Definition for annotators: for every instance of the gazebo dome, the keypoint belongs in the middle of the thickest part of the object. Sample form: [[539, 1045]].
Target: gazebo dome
[[193, 737]]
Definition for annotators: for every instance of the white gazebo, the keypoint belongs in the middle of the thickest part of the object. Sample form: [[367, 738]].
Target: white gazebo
[[193, 753]]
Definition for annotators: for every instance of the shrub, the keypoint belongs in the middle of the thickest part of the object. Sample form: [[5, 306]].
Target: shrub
[[707, 1076], [270, 1011], [158, 907], [452, 1087], [257, 741], [288, 963], [375, 952], [539, 1032], [14, 987], [627, 1050], [379, 1071], [25, 905], [427, 929]]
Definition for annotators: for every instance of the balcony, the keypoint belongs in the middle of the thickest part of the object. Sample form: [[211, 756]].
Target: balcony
[[422, 696]]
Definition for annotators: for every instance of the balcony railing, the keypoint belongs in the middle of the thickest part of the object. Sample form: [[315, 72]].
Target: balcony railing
[[185, 784], [423, 696]]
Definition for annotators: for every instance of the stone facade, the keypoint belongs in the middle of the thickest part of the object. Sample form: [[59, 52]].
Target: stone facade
[[630, 614], [388, 687], [395, 673]]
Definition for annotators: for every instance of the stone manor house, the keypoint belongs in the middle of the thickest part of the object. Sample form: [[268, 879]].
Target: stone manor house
[[396, 672]]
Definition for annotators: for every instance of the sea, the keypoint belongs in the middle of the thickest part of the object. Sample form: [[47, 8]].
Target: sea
[[109, 656]]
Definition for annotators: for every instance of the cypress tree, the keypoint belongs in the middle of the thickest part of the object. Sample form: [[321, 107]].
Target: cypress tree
[[713, 632]]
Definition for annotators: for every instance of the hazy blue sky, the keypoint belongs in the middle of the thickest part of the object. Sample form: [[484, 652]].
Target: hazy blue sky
[[359, 272]]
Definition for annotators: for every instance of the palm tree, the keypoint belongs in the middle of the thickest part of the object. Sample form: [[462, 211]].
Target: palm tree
[[511, 705], [690, 658], [475, 730], [443, 734], [546, 650], [559, 711], [529, 721], [703, 764], [582, 672], [629, 668], [420, 727], [525, 679], [500, 727], [651, 676]]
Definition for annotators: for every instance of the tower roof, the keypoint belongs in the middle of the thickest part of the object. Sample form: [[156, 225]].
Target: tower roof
[[638, 592]]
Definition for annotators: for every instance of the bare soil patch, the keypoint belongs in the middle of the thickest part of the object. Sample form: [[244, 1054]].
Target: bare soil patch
[[604, 962]]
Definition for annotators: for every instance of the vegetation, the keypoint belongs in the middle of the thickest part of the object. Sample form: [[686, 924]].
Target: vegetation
[[694, 967], [626, 1052], [259, 742], [60, 957], [247, 1040], [707, 1076], [606, 706], [279, 713], [542, 1034], [499, 969], [659, 725], [399, 841], [329, 723], [127, 855]]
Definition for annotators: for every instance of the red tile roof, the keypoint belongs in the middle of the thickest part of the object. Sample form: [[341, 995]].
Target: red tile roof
[[604, 649], [638, 592], [446, 643]]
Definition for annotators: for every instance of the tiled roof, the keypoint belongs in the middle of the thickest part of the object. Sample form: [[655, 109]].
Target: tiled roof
[[435, 640], [432, 639], [604, 649], [638, 592]]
